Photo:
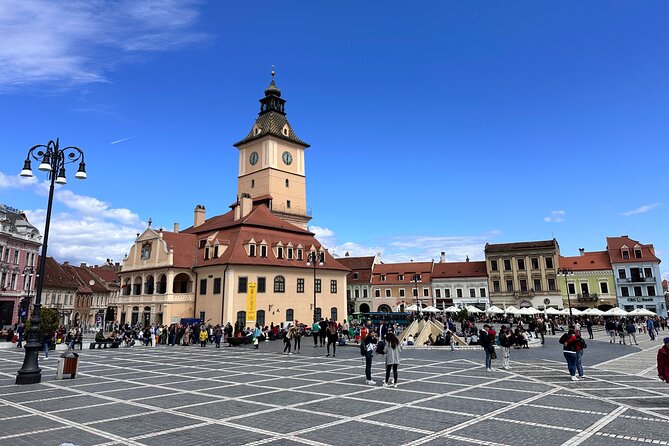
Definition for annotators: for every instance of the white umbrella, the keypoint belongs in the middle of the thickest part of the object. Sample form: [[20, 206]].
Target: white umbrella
[[411, 308], [641, 312], [575, 311], [615, 311], [431, 309], [593, 312], [511, 310], [473, 309], [553, 311], [494, 310], [452, 309], [528, 311]]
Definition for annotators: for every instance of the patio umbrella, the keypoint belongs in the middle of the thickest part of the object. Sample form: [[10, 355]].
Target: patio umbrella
[[529, 311], [452, 309], [615, 311], [413, 307], [494, 310], [511, 310], [473, 309], [575, 311], [593, 312], [431, 309], [641, 312], [552, 311]]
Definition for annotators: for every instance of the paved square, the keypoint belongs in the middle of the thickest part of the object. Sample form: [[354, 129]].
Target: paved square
[[187, 395]]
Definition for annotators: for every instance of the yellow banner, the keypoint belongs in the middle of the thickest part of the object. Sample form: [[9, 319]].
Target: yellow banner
[[251, 303]]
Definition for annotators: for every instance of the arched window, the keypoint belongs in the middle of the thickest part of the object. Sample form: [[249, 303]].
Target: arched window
[[137, 286], [162, 284], [260, 318], [333, 313], [364, 308], [241, 318], [384, 308], [279, 284], [148, 285], [290, 315]]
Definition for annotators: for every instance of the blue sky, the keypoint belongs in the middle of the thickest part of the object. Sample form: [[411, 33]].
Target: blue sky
[[438, 126]]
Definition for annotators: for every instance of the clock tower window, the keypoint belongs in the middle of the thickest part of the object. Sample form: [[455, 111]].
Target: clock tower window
[[287, 183]]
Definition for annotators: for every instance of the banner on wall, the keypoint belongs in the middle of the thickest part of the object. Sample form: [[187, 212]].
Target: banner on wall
[[251, 304]]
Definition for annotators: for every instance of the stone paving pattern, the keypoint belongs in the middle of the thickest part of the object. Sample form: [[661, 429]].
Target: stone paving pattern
[[241, 396]]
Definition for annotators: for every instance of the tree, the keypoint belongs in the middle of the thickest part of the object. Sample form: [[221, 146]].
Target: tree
[[49, 322]]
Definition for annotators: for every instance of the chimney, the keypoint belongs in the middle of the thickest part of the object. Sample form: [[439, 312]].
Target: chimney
[[176, 227], [581, 251], [246, 205], [66, 263], [442, 257], [82, 264], [199, 215]]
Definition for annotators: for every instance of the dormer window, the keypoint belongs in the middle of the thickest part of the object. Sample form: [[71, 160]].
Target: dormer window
[[252, 250], [626, 254], [279, 252], [285, 130], [356, 276], [637, 253], [206, 253], [216, 251], [400, 277], [202, 243], [263, 251], [256, 130], [299, 254], [290, 253], [383, 277]]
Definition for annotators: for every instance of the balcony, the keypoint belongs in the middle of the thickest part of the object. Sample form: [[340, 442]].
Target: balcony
[[636, 279], [587, 296], [523, 294]]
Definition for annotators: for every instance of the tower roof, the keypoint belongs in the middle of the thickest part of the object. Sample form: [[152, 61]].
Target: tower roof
[[272, 119]]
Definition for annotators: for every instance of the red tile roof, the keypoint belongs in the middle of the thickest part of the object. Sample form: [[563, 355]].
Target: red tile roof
[[361, 265], [259, 225], [184, 246], [392, 271], [106, 273], [56, 276], [518, 246], [589, 261], [459, 269], [614, 247]]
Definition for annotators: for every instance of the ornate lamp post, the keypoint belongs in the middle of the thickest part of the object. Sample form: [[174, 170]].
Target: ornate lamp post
[[315, 259], [567, 272], [415, 291], [28, 273], [52, 159]]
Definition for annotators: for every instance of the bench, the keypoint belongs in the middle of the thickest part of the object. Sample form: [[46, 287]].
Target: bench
[[104, 344], [238, 340]]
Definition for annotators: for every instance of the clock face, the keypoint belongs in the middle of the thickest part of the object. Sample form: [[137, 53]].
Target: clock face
[[253, 159], [287, 158]]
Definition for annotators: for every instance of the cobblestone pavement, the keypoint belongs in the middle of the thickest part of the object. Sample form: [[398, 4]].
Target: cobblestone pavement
[[240, 396]]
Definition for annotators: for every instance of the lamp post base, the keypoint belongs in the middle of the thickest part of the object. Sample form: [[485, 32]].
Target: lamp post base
[[30, 372]]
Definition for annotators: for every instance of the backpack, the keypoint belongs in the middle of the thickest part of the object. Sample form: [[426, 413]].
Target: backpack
[[564, 338], [381, 347], [582, 343], [363, 348]]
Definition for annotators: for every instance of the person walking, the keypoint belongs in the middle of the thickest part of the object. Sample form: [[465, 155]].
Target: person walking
[[487, 342], [651, 329], [256, 336], [287, 336], [663, 361], [332, 337], [322, 331], [611, 330], [588, 325], [203, 338], [631, 331], [505, 341], [369, 344], [392, 350], [314, 332], [297, 337], [568, 341]]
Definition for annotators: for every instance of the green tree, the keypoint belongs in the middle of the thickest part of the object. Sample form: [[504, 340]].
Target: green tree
[[48, 322]]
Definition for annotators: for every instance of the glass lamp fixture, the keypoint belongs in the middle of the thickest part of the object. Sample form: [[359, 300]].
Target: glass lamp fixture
[[46, 163], [27, 170], [81, 172], [60, 179]]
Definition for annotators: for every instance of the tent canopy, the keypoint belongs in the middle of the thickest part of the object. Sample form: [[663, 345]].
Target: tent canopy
[[494, 310]]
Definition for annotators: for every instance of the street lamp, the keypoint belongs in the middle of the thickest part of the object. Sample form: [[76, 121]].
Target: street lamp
[[415, 291], [315, 259], [567, 272], [52, 159], [27, 274]]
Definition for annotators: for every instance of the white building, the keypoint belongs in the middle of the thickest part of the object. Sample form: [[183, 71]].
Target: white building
[[460, 284]]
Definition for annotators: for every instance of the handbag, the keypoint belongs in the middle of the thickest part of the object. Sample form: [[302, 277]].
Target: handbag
[[493, 353]]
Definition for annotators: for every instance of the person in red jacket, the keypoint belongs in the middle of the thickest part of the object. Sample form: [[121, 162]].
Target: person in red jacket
[[663, 361]]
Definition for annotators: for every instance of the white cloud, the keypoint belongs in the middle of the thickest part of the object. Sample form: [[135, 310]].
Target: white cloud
[[641, 210], [89, 230], [555, 217], [15, 181], [78, 42], [407, 248]]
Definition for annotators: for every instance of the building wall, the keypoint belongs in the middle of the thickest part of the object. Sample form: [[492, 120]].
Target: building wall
[[595, 297], [654, 303], [449, 287], [13, 285]]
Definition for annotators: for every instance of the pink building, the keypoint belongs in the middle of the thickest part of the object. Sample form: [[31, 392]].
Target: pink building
[[19, 245]]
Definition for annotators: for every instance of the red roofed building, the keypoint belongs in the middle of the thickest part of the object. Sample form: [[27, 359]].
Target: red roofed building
[[397, 286], [460, 283], [636, 269], [208, 271], [359, 281], [590, 283]]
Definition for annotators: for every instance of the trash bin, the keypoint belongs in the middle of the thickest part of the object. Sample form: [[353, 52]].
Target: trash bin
[[68, 364]]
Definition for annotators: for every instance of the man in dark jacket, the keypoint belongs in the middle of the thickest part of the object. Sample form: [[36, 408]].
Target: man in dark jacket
[[486, 340], [323, 326]]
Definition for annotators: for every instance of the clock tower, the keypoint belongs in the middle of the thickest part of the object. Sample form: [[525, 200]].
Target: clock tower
[[271, 162]]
